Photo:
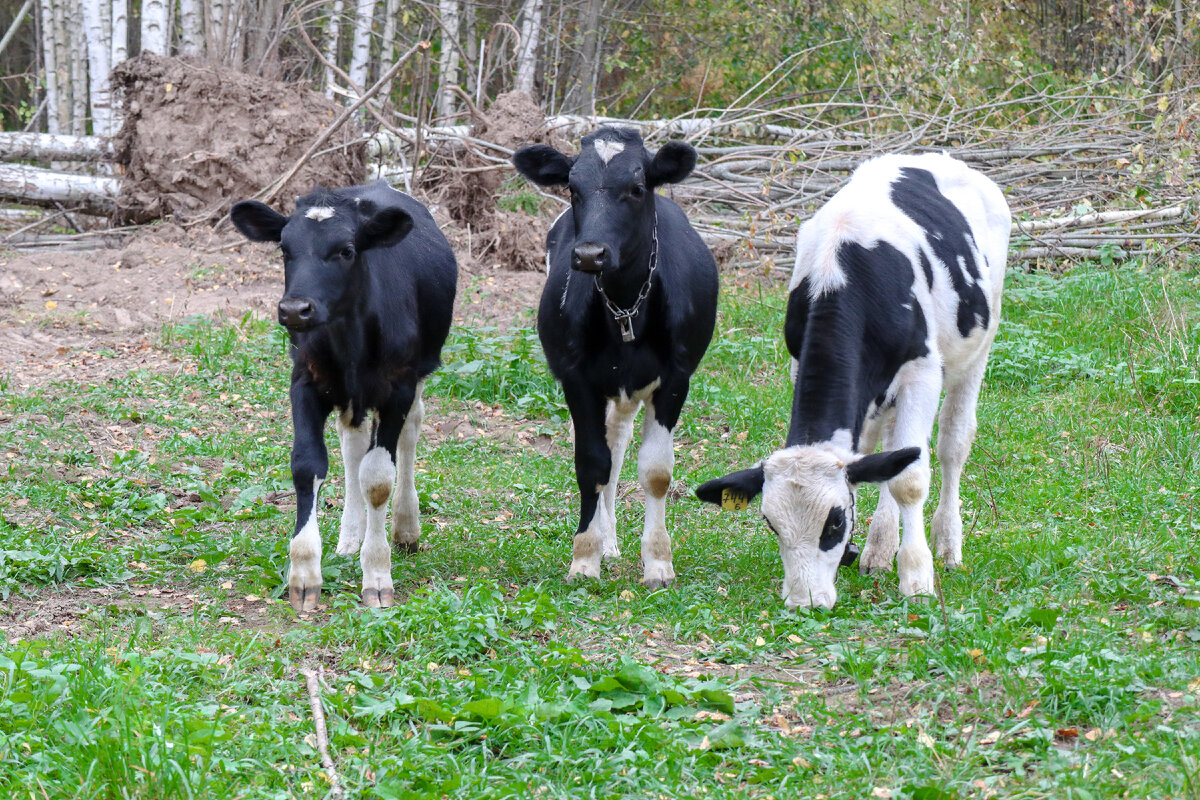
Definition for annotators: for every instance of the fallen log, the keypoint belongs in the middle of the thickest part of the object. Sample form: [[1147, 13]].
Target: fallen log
[[53, 147], [42, 187]]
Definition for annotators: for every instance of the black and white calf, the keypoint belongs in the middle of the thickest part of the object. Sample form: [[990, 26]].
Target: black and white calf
[[895, 296], [625, 317], [369, 286]]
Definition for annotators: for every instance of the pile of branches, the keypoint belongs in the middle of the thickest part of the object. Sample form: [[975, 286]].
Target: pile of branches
[[1086, 171]]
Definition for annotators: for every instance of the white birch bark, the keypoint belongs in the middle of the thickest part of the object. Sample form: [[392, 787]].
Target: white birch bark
[[33, 186], [49, 147], [191, 28], [154, 27], [387, 50], [49, 66], [448, 60], [331, 45], [360, 50], [527, 55], [79, 82], [99, 51], [120, 31], [62, 64], [214, 20]]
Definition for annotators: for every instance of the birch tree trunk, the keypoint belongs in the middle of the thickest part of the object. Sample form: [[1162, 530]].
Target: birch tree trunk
[[331, 45], [216, 20], [79, 84], [448, 60], [581, 97], [50, 66], [154, 27], [191, 28], [387, 50], [99, 51], [527, 55], [360, 50], [120, 31]]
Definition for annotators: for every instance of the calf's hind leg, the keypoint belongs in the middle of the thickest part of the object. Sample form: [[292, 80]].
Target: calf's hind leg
[[355, 442], [406, 521], [378, 476]]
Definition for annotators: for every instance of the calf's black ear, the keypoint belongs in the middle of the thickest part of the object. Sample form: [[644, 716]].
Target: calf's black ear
[[257, 221], [673, 162], [735, 491], [381, 227], [881, 467], [543, 165]]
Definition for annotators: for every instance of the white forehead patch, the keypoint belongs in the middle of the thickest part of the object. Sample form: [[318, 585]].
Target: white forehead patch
[[319, 213], [607, 148]]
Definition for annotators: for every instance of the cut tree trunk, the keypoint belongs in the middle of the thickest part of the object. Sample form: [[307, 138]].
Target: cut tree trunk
[[51, 147], [43, 187]]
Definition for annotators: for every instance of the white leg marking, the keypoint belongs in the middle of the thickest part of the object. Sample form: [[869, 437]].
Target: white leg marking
[[916, 407], [406, 522], [618, 424], [355, 442], [304, 576], [377, 474], [956, 432], [656, 460]]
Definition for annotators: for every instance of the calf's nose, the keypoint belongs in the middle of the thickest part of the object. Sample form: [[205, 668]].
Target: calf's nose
[[295, 312], [590, 257]]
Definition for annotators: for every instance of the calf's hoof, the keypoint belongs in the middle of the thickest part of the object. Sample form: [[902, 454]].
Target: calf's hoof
[[406, 548], [304, 598], [379, 598], [580, 571], [871, 561], [654, 584]]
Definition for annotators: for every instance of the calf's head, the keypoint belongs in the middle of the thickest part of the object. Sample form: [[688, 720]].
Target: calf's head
[[808, 502], [612, 182], [323, 243]]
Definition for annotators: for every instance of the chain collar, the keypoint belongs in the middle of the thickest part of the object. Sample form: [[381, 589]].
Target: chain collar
[[624, 316]]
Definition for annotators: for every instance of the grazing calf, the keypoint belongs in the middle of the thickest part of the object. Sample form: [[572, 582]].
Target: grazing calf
[[625, 317], [895, 295], [369, 285]]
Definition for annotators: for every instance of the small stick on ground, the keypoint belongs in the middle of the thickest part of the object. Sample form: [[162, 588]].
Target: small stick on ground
[[313, 683]]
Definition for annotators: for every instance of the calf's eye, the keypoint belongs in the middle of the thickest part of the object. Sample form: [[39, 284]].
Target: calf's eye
[[347, 253], [637, 192]]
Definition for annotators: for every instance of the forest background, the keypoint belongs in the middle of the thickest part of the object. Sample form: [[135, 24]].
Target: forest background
[[610, 57]]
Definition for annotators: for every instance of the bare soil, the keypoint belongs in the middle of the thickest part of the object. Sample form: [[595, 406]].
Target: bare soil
[[199, 136], [57, 308]]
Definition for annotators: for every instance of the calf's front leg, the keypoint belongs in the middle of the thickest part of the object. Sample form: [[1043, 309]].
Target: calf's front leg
[[310, 464], [593, 466]]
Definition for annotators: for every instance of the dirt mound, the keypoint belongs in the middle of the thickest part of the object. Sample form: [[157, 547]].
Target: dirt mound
[[469, 187], [198, 137]]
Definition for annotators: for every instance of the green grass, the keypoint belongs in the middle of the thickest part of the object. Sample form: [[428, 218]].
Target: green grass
[[1064, 662]]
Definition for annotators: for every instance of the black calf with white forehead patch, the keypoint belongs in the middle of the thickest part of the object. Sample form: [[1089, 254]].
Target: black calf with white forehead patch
[[625, 317], [896, 292], [369, 288]]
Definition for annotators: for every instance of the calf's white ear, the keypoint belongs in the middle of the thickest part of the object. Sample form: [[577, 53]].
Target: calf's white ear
[[381, 227], [881, 467], [734, 491], [257, 221], [673, 162], [543, 165]]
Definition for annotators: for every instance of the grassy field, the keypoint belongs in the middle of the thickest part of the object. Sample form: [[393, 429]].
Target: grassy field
[[148, 653]]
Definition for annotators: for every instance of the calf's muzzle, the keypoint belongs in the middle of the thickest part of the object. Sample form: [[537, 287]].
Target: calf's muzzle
[[590, 257], [296, 313]]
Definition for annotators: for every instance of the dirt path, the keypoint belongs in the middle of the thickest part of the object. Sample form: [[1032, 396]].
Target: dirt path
[[57, 307]]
